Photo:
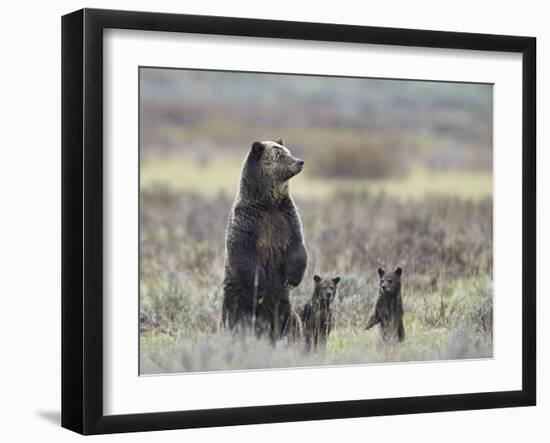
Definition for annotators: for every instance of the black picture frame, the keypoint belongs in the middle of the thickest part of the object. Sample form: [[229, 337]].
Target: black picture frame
[[82, 220]]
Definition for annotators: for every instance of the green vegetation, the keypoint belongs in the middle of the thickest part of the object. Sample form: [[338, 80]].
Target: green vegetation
[[222, 174], [444, 245], [450, 334]]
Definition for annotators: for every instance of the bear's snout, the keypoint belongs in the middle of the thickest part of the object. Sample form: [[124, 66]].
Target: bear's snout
[[300, 164]]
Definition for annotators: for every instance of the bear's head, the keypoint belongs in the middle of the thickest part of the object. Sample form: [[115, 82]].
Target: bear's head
[[267, 170], [325, 288], [276, 161], [390, 282]]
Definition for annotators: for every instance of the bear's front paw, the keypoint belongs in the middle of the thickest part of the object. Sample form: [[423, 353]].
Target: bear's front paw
[[288, 286], [294, 279]]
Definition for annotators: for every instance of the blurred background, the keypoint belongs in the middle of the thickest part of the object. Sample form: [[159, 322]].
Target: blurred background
[[347, 128], [398, 173]]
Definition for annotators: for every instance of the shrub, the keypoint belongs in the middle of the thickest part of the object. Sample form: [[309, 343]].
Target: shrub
[[367, 159]]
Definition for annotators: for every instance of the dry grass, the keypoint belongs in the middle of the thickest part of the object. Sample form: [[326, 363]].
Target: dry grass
[[444, 245], [398, 173]]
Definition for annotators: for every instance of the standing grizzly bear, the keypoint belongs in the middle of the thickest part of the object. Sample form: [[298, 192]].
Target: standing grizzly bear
[[316, 315], [388, 310], [265, 253]]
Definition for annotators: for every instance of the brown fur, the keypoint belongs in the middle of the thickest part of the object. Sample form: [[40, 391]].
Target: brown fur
[[265, 251], [388, 311], [273, 237]]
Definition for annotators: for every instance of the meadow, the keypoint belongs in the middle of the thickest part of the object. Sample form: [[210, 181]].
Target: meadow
[[397, 173], [442, 239]]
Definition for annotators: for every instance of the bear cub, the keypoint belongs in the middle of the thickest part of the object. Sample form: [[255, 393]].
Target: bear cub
[[316, 316], [388, 311]]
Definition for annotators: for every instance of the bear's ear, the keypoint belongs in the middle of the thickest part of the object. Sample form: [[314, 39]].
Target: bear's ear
[[336, 280], [381, 272], [316, 278], [258, 147], [399, 271], [281, 142]]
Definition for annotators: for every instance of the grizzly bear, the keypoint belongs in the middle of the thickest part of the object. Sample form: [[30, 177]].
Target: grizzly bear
[[316, 316], [265, 254], [388, 310]]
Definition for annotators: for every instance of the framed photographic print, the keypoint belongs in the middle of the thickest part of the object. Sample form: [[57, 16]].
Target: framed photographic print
[[269, 221]]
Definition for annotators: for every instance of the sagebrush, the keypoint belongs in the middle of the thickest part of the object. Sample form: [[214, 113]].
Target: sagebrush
[[444, 245]]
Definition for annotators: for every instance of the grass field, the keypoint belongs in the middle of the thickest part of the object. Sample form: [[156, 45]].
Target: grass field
[[436, 225], [222, 175]]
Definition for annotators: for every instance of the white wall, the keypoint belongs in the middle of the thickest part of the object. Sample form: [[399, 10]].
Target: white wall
[[30, 222]]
